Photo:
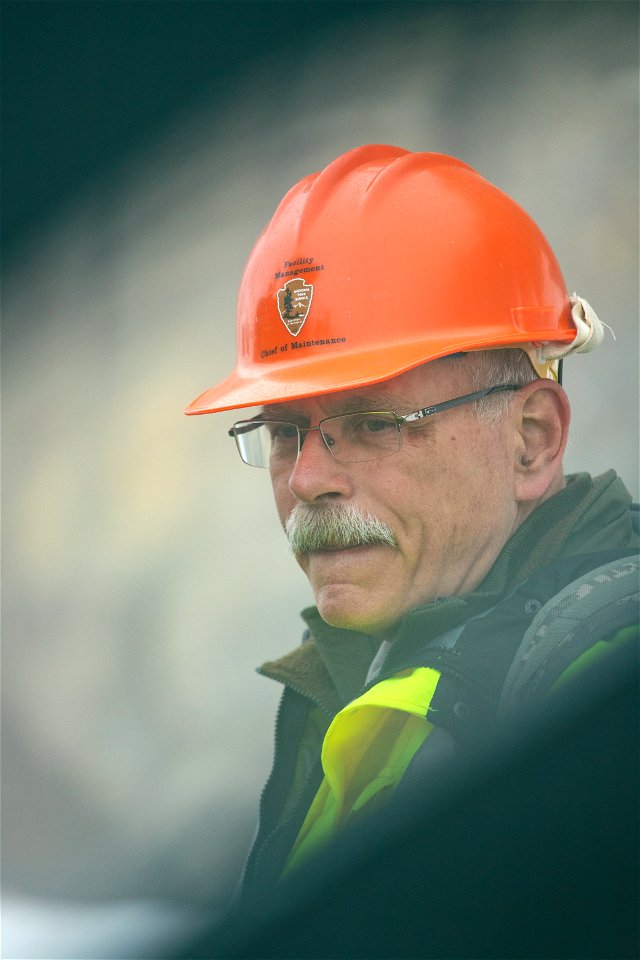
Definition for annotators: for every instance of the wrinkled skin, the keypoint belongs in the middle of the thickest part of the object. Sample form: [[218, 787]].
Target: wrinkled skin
[[453, 494]]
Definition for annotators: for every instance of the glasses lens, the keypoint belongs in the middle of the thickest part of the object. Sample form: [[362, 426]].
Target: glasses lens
[[262, 443], [351, 438], [357, 437]]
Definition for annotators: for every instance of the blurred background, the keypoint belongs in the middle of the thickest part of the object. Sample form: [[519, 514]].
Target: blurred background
[[145, 575]]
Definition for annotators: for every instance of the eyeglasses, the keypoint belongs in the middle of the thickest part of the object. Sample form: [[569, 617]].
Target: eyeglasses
[[349, 437]]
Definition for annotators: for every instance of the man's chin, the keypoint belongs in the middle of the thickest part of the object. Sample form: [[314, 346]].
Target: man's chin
[[352, 606], [360, 621]]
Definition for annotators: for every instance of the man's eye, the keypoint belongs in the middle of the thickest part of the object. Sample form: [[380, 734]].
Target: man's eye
[[378, 424], [375, 424], [283, 432]]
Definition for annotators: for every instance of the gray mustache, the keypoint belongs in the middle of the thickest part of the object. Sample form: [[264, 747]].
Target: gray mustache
[[316, 528]]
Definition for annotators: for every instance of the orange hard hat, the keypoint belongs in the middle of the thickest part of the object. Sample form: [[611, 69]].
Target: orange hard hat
[[381, 262]]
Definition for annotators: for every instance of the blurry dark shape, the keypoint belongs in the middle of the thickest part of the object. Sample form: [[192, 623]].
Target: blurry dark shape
[[84, 84], [530, 852]]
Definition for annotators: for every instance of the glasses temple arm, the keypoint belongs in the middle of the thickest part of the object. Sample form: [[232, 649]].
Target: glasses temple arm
[[458, 402]]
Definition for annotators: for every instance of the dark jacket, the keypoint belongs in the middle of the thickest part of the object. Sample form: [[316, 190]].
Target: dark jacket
[[472, 640]]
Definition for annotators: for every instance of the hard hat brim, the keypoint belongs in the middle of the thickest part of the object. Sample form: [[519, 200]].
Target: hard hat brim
[[315, 376]]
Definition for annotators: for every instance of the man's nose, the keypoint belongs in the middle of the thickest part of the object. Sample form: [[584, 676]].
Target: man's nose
[[316, 473]]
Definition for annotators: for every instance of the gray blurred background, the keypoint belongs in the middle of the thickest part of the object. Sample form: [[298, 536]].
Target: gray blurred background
[[145, 574]]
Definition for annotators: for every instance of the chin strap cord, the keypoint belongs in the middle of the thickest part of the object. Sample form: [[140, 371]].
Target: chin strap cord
[[546, 356], [589, 332]]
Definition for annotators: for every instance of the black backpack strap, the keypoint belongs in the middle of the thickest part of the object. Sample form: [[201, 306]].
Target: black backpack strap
[[477, 657], [593, 608]]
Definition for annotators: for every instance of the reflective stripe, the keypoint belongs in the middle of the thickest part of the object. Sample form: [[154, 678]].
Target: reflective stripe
[[390, 715]]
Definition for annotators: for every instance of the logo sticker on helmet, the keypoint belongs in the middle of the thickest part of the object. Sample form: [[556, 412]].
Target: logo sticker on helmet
[[294, 301]]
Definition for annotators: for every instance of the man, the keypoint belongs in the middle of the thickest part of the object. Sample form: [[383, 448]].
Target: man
[[401, 323]]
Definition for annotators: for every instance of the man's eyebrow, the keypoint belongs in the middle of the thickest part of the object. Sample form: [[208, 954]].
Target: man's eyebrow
[[373, 401], [377, 401], [279, 413]]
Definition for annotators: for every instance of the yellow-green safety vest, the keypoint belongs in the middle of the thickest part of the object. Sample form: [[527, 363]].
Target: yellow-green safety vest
[[391, 714]]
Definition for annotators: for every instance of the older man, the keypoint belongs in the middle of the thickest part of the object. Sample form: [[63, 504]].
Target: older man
[[401, 323]]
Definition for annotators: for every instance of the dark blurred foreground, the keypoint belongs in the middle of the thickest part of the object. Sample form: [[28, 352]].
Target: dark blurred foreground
[[530, 852]]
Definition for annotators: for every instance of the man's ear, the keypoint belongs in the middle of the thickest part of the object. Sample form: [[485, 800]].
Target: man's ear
[[542, 416]]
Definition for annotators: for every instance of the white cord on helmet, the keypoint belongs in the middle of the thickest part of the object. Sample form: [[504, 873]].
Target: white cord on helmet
[[590, 332]]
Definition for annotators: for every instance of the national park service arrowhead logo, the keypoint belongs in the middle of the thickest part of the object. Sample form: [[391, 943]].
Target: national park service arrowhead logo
[[294, 301]]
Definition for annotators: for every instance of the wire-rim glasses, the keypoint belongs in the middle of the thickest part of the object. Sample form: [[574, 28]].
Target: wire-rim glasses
[[350, 437]]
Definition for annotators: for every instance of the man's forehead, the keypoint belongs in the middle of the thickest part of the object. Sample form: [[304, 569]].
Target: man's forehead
[[392, 394]]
